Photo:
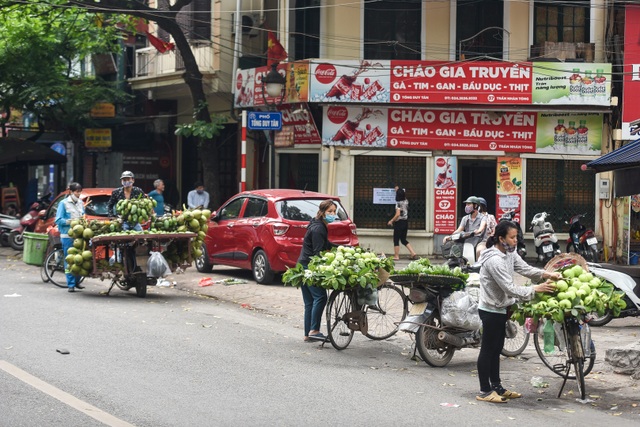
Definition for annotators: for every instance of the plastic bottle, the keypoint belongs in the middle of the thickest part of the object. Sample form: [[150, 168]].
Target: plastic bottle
[[575, 85], [583, 136], [559, 135], [588, 88], [585, 337], [600, 83], [548, 333], [572, 137]]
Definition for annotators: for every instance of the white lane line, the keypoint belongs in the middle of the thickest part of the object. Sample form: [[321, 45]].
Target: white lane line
[[64, 397]]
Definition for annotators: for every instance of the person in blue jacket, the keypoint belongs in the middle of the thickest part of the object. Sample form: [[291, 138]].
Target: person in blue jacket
[[70, 208], [316, 240]]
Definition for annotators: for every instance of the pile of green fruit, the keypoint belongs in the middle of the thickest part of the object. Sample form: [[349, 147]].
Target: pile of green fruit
[[340, 268], [190, 220], [136, 211], [166, 222], [578, 292], [79, 257]]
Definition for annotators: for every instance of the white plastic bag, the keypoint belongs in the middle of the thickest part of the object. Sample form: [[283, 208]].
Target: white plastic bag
[[157, 266], [460, 310]]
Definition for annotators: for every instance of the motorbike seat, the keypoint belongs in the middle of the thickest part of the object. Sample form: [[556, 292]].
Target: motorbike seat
[[543, 231]]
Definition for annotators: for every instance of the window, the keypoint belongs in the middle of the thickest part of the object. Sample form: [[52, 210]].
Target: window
[[232, 209], [305, 209], [384, 172], [305, 21], [561, 189], [479, 28], [255, 208], [564, 21], [392, 29], [195, 20]]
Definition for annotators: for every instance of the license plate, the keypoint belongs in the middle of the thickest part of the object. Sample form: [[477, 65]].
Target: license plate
[[417, 309], [547, 248], [592, 241]]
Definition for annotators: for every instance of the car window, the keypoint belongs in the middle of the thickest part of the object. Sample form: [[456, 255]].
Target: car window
[[232, 209], [304, 209], [255, 208], [98, 206]]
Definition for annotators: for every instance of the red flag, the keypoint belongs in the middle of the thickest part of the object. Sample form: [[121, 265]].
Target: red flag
[[275, 51], [159, 44]]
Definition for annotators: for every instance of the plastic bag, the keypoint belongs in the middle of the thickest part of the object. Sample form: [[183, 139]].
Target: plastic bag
[[460, 310], [367, 295], [157, 266]]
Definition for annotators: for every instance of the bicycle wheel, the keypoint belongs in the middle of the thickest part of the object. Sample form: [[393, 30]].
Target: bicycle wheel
[[384, 319], [340, 303], [433, 351], [557, 360], [54, 268], [516, 341]]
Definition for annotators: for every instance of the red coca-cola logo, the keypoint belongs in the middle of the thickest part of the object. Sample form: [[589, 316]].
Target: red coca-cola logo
[[239, 81], [441, 162], [337, 115], [326, 73]]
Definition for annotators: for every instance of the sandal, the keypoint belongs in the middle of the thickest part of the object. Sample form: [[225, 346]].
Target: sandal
[[414, 257], [510, 394], [492, 397]]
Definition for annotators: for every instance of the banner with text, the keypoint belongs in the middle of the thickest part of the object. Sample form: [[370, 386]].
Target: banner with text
[[508, 185], [445, 190]]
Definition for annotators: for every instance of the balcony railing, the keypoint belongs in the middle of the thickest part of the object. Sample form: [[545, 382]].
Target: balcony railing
[[151, 63], [570, 52]]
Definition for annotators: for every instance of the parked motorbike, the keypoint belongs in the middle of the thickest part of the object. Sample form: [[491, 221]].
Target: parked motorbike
[[7, 224], [582, 240], [436, 341], [510, 215], [28, 221], [624, 278], [544, 237]]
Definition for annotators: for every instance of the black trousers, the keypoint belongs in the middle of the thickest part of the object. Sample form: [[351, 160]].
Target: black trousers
[[493, 335], [400, 229]]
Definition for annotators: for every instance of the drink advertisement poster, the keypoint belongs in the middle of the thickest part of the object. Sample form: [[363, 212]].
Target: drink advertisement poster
[[354, 126], [244, 88], [445, 190], [564, 83], [508, 185], [350, 81], [567, 133], [298, 120], [297, 82], [631, 74]]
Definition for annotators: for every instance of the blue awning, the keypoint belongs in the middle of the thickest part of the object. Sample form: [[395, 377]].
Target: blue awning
[[626, 156]]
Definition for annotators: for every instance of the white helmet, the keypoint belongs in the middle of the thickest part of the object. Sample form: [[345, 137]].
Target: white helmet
[[127, 174]]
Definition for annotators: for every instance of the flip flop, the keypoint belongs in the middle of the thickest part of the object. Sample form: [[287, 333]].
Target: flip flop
[[510, 394], [492, 397]]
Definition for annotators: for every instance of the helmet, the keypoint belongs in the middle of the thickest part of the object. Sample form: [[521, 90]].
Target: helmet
[[127, 174], [482, 201], [471, 199]]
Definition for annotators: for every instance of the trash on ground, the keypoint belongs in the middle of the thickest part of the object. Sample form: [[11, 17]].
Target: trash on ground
[[450, 405], [13, 295], [230, 281], [539, 382], [205, 281], [62, 351]]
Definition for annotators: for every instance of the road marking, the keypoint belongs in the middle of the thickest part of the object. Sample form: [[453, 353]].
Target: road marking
[[64, 397]]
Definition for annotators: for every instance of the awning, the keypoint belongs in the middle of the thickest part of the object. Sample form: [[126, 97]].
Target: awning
[[624, 157], [15, 150]]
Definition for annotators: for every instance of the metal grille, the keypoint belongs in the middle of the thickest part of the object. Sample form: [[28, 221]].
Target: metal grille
[[562, 190], [384, 172]]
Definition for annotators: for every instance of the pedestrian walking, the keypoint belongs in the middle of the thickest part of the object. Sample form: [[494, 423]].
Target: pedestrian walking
[[70, 208], [400, 224]]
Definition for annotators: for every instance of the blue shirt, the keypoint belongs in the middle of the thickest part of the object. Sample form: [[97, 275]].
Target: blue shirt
[[159, 198], [194, 199]]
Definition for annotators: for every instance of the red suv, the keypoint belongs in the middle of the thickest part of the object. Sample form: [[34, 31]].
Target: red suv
[[262, 231]]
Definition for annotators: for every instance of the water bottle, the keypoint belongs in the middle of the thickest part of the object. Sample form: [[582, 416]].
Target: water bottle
[[548, 334], [585, 337]]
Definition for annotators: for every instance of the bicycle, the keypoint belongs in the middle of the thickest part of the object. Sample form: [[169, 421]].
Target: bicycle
[[379, 321], [569, 350], [54, 264]]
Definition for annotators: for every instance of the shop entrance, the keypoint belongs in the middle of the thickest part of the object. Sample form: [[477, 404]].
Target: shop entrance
[[477, 177], [298, 171]]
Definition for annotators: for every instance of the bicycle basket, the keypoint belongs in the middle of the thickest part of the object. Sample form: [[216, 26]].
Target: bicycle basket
[[403, 278], [442, 281], [560, 262]]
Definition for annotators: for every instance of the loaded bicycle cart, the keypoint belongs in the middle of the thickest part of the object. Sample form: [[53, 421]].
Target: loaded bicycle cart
[[137, 261]]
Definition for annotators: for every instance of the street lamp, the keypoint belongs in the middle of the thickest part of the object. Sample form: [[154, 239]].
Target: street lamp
[[273, 84]]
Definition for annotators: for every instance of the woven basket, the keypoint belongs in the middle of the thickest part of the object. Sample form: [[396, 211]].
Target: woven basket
[[559, 262], [403, 278]]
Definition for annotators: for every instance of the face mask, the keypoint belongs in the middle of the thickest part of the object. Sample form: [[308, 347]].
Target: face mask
[[468, 209], [199, 191], [508, 247], [330, 218], [127, 183], [74, 198]]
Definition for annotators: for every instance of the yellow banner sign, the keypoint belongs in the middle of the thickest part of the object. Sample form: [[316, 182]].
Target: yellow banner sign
[[97, 138], [104, 110]]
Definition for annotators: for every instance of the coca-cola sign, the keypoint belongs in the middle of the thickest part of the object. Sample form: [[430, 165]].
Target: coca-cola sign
[[337, 115], [325, 73], [239, 81]]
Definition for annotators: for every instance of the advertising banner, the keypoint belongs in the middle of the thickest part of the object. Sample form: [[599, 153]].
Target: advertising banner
[[566, 133], [631, 71], [298, 122], [350, 81], [563, 83], [297, 82], [445, 190], [97, 138], [508, 185]]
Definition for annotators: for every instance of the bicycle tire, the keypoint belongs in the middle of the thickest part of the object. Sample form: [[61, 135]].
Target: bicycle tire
[[578, 368], [384, 319], [557, 360], [338, 332], [518, 343], [54, 268]]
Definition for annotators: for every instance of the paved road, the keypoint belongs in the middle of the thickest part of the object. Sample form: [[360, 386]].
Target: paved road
[[609, 392]]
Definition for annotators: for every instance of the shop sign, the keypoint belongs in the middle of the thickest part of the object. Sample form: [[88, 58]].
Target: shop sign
[[300, 120], [445, 191], [631, 72], [97, 138], [508, 185], [103, 110]]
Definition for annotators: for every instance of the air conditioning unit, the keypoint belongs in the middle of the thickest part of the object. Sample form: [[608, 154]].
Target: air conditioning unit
[[250, 24]]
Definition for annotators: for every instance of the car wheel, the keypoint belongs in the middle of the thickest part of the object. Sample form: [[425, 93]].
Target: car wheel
[[262, 272], [203, 265]]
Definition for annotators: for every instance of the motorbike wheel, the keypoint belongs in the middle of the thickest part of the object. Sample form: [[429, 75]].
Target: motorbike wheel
[[4, 239], [597, 320], [433, 351], [591, 253], [16, 240], [516, 341]]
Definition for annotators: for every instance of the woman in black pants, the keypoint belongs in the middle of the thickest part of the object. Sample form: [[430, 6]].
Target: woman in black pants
[[497, 294], [400, 223]]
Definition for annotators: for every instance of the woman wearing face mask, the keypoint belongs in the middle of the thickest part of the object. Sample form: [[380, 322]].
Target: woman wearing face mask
[[70, 208], [497, 294], [127, 191], [316, 240]]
